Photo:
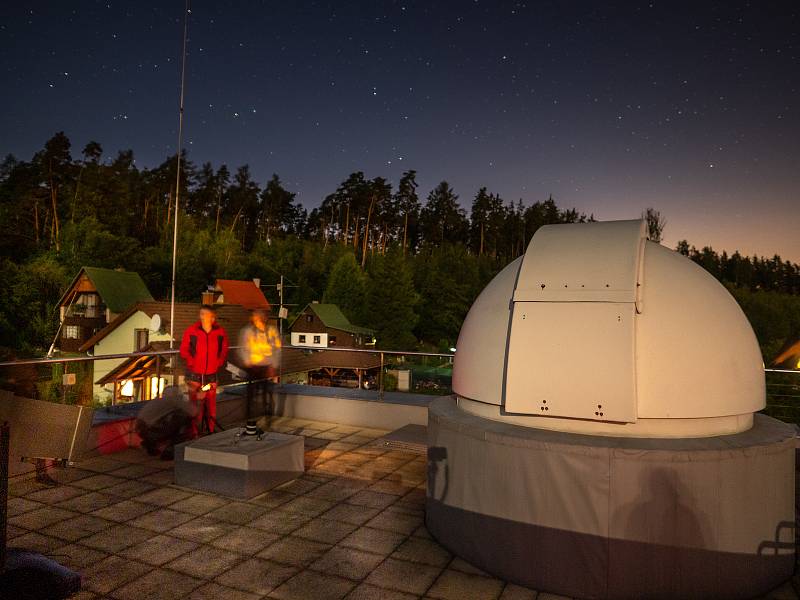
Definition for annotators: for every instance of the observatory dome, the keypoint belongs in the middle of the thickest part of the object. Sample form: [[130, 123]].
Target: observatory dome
[[598, 330]]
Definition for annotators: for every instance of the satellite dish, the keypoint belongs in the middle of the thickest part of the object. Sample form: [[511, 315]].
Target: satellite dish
[[155, 323]]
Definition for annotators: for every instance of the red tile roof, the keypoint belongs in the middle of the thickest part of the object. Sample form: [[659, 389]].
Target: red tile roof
[[243, 293]]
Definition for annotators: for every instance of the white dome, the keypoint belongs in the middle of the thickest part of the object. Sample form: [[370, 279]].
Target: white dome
[[598, 330]]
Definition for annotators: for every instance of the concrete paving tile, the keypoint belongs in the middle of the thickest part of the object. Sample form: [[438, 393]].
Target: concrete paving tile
[[245, 540], [238, 513], [517, 592], [55, 495], [310, 584], [133, 456], [162, 477], [424, 551], [422, 532], [378, 541], [18, 505], [412, 578], [396, 488], [84, 595], [280, 521], [116, 538], [206, 562], [37, 542], [23, 485], [88, 502], [398, 522], [199, 504], [298, 486], [123, 510], [76, 556], [459, 564], [347, 562], [372, 499], [129, 489], [256, 575], [134, 471], [308, 505], [98, 482], [164, 496], [112, 572], [161, 520], [100, 464], [158, 585], [159, 550], [366, 591], [350, 513], [41, 517], [273, 498], [322, 530], [455, 585], [294, 551], [75, 529], [332, 491], [202, 529], [215, 591]]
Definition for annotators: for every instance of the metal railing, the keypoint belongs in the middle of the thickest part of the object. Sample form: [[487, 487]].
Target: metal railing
[[782, 385], [783, 394], [435, 379]]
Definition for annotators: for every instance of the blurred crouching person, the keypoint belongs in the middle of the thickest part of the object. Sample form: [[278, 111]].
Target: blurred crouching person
[[166, 421], [205, 350], [260, 354]]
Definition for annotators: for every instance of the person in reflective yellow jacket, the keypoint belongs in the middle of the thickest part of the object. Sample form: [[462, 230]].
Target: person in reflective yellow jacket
[[260, 354]]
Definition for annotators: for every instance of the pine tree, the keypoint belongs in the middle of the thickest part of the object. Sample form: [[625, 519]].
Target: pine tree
[[442, 219], [347, 286], [391, 301]]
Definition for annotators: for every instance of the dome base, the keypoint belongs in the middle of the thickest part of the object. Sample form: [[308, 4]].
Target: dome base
[[642, 428], [605, 517]]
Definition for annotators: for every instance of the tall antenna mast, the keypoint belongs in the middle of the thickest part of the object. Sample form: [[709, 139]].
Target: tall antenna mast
[[178, 178]]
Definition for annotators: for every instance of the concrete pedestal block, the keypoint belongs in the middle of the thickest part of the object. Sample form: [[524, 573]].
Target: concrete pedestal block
[[604, 517], [241, 467]]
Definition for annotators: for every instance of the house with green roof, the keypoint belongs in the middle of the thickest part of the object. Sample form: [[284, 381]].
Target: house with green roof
[[94, 298], [323, 325]]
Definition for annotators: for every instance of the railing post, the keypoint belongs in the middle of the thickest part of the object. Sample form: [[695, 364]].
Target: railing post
[[4, 439], [380, 376]]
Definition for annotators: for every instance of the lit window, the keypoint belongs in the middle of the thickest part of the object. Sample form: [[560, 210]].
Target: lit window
[[72, 332], [317, 339], [126, 388], [302, 339], [156, 386]]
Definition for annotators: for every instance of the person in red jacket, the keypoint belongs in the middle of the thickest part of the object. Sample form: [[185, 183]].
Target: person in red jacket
[[205, 349]]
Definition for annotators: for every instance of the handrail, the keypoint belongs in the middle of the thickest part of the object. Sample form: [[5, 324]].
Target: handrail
[[87, 358]]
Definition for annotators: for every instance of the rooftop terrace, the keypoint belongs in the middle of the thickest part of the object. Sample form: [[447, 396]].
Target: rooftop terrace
[[351, 527]]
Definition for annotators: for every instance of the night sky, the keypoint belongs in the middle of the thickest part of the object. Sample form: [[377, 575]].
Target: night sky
[[691, 108]]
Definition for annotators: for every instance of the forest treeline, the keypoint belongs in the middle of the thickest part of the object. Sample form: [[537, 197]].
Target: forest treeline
[[407, 264]]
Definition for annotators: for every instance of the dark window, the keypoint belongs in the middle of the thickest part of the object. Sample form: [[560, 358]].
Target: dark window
[[332, 340], [141, 338], [317, 339], [302, 339], [309, 318]]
